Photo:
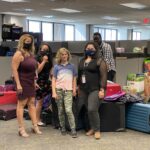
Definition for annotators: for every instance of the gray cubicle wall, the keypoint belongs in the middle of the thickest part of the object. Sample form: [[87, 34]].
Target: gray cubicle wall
[[5, 69], [148, 47], [130, 44], [76, 47], [10, 44], [127, 65], [123, 65], [56, 45]]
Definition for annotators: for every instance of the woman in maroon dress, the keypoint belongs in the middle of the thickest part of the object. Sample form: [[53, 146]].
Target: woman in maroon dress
[[24, 68]]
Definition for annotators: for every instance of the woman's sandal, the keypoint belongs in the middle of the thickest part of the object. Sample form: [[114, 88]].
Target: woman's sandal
[[22, 132], [36, 130]]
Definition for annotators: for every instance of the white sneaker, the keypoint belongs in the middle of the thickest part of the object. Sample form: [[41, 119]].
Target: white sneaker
[[41, 124]]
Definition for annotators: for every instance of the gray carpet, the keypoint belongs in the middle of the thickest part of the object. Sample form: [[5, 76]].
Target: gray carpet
[[51, 139]]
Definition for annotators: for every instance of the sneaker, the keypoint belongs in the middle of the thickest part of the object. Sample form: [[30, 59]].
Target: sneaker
[[41, 124], [63, 131], [90, 132], [97, 135], [73, 133]]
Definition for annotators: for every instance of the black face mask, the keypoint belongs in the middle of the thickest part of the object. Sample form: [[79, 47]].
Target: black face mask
[[45, 52], [89, 52], [27, 46]]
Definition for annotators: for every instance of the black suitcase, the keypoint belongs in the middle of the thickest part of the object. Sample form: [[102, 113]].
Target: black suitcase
[[112, 116], [8, 111]]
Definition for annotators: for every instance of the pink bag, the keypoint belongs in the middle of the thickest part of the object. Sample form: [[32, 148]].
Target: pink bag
[[112, 88]]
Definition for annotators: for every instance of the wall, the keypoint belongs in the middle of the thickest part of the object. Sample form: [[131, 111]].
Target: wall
[[81, 32], [0, 27], [145, 34], [124, 66], [5, 67], [17, 20]]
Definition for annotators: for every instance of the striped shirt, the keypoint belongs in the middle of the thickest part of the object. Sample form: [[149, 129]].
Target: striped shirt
[[105, 51]]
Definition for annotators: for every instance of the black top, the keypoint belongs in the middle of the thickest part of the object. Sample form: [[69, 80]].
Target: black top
[[95, 73], [44, 74]]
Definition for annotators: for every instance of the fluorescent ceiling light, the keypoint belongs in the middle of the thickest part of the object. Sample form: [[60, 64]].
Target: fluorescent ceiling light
[[14, 1], [65, 20], [48, 16], [24, 9], [134, 5], [13, 13], [132, 21], [111, 23], [66, 10], [110, 18], [28, 9]]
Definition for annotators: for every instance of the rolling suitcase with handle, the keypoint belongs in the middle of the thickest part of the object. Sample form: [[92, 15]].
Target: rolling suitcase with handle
[[138, 117]]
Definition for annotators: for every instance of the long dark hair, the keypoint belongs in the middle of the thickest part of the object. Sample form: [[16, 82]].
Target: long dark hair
[[50, 53]]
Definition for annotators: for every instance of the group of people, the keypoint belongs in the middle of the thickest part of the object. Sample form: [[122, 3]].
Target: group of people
[[32, 75]]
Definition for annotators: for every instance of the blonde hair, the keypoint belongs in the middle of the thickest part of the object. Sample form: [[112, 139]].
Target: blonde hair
[[21, 43], [58, 55]]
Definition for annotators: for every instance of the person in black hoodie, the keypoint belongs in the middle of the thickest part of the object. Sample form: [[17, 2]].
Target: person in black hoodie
[[92, 79]]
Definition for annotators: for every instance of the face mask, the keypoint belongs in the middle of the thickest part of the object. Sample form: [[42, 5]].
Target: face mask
[[27, 45], [89, 52], [43, 53]]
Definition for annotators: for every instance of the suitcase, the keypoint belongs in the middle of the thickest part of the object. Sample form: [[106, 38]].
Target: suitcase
[[8, 111], [112, 116], [138, 117], [8, 97], [112, 88]]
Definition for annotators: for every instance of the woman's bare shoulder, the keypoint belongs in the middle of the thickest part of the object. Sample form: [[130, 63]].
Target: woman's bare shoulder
[[18, 55]]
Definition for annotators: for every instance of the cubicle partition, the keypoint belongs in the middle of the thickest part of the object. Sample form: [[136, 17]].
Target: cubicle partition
[[130, 44], [148, 47], [125, 63]]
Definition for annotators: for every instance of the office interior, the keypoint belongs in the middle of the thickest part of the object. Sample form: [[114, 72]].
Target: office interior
[[131, 34]]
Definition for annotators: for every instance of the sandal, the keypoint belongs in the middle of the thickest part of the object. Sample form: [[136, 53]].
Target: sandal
[[36, 130], [22, 132]]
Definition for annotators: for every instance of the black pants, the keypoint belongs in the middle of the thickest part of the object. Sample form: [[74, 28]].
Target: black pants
[[92, 103], [111, 75]]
